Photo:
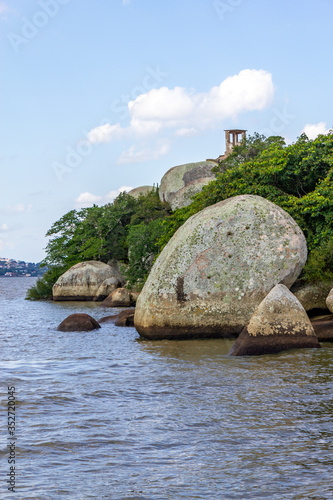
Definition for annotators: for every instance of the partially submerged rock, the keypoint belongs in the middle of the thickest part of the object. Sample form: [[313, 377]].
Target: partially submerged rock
[[81, 281], [278, 324], [218, 267], [124, 318], [121, 297], [323, 327], [78, 322]]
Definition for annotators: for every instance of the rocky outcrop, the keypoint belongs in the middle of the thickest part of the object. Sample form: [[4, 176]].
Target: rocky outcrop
[[118, 298], [78, 323], [181, 176], [278, 324], [124, 318], [218, 267], [108, 286], [141, 190], [184, 196], [82, 281], [323, 327], [312, 295]]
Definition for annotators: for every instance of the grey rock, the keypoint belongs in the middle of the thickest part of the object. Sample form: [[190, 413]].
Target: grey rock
[[81, 281], [278, 324], [312, 295], [218, 267], [141, 190], [178, 177]]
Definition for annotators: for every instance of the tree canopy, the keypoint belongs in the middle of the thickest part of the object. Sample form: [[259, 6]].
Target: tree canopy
[[297, 177]]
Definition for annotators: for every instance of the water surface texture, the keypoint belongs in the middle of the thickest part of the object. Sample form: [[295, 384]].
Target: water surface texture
[[105, 415]]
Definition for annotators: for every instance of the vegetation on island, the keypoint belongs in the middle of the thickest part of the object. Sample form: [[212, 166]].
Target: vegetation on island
[[297, 177]]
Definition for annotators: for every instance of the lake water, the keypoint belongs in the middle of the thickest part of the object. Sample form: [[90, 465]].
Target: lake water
[[105, 415]]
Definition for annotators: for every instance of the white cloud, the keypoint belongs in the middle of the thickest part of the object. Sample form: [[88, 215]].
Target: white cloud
[[19, 208], [106, 133], [3, 227], [85, 200], [312, 130], [186, 112], [132, 155], [113, 194]]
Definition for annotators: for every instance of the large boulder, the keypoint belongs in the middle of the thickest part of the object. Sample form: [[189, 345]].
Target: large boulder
[[81, 282], [184, 196], [178, 177], [218, 267], [278, 324], [141, 190], [78, 323], [312, 295]]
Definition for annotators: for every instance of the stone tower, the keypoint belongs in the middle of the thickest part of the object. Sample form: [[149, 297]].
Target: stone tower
[[233, 138]]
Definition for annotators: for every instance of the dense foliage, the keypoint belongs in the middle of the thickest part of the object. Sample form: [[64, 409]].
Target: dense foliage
[[297, 177], [110, 232]]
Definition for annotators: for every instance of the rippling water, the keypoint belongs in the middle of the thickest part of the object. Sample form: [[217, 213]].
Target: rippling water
[[105, 415]]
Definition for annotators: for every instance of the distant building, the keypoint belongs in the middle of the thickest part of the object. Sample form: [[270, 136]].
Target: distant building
[[233, 137]]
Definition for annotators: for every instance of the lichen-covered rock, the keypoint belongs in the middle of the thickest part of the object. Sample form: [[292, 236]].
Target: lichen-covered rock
[[121, 297], [312, 295], [105, 288], [184, 196], [278, 324], [178, 177], [81, 282], [141, 190], [329, 301], [78, 323], [218, 267]]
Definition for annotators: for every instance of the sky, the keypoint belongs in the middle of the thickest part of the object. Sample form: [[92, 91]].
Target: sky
[[97, 97]]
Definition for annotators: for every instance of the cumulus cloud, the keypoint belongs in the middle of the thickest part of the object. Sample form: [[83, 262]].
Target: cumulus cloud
[[85, 200], [106, 133], [312, 130], [113, 194], [19, 208], [134, 155], [186, 110]]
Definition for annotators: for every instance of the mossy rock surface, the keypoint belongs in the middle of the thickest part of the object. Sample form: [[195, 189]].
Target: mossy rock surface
[[182, 175], [218, 267]]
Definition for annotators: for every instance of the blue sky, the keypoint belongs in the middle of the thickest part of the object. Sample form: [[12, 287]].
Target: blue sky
[[97, 96]]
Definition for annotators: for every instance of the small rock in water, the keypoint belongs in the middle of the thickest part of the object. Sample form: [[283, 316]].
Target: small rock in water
[[278, 324], [78, 322]]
